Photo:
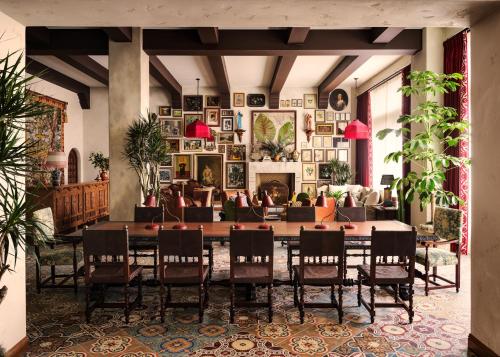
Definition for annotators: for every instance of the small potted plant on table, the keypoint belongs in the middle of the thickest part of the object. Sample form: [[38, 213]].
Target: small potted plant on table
[[99, 161]]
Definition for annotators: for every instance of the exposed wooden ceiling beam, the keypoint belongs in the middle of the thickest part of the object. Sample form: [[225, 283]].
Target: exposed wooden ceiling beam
[[281, 71], [297, 35], [208, 35], [38, 69], [385, 34], [167, 80], [119, 34], [88, 66], [272, 43], [344, 69], [66, 41]]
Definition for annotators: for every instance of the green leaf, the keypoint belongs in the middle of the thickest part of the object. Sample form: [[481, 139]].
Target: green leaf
[[286, 134]]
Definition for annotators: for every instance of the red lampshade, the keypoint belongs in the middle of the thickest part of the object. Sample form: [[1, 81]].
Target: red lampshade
[[241, 200], [356, 130], [321, 200], [198, 129], [56, 160], [267, 200], [179, 202], [349, 200]]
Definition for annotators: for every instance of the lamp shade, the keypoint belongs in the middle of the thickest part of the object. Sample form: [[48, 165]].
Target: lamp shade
[[241, 200], [198, 129], [267, 200], [179, 201], [387, 180], [56, 160], [321, 200], [356, 130]]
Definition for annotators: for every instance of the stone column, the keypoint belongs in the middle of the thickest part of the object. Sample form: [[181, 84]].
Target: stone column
[[128, 98]]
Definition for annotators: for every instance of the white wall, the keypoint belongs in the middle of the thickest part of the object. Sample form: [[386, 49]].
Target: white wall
[[13, 308]]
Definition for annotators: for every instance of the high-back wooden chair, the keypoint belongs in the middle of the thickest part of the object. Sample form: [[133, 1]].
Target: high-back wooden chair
[[106, 259], [392, 262], [181, 264], [321, 263], [353, 214], [251, 262], [250, 214]]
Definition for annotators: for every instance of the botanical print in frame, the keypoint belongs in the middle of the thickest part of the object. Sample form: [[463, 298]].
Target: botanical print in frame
[[193, 103], [319, 116], [182, 167], [164, 110], [343, 155], [310, 101], [226, 138], [173, 145], [212, 101], [319, 155], [236, 152], [324, 172], [331, 154], [327, 142], [208, 169], [171, 128], [306, 155], [190, 118], [236, 174], [192, 144], [212, 116], [317, 141], [325, 129], [238, 99], [309, 172], [274, 126], [227, 124], [165, 174], [330, 117], [309, 188]]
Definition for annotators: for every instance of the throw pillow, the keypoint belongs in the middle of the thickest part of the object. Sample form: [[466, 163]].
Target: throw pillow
[[372, 199]]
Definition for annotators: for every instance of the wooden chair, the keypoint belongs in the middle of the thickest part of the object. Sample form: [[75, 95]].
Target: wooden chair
[[297, 214], [143, 249], [181, 264], [106, 259], [353, 214], [250, 214], [251, 262], [202, 215], [448, 229], [392, 262], [321, 263]]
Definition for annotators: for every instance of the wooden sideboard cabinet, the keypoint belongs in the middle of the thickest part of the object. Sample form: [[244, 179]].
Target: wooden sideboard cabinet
[[76, 204]]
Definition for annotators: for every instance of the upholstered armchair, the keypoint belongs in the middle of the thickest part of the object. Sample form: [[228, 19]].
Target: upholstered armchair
[[448, 229]]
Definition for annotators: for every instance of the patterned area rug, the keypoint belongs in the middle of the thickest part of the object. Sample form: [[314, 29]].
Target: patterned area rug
[[56, 323]]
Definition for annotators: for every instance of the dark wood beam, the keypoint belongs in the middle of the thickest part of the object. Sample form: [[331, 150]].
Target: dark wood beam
[[40, 70], [385, 34], [65, 41], [88, 66], [119, 34], [167, 80], [297, 35], [339, 74], [283, 67], [273, 43], [208, 35]]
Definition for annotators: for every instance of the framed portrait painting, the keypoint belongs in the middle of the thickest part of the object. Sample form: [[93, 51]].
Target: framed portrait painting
[[208, 169], [339, 99], [212, 116], [309, 188], [276, 126], [238, 99], [236, 175], [182, 167]]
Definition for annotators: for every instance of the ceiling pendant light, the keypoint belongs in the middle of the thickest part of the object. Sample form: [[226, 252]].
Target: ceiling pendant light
[[356, 129], [198, 129]]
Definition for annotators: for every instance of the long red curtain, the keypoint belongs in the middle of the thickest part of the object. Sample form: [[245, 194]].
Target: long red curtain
[[364, 147], [457, 180]]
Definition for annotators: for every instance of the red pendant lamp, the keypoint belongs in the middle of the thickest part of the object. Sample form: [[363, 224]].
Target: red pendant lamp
[[198, 129], [356, 129]]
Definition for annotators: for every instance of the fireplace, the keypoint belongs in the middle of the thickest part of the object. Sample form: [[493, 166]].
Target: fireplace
[[279, 186]]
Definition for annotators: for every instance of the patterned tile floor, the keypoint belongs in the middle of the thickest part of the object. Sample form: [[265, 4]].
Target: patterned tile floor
[[56, 325]]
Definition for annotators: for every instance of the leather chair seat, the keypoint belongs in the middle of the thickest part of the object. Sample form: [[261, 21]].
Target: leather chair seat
[[319, 274], [184, 274], [251, 273], [110, 274], [384, 272]]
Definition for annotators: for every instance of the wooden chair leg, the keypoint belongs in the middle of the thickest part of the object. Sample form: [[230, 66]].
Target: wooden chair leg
[[53, 274], [332, 293], [396, 292], [127, 307], [289, 261], [372, 303], [162, 302], [210, 262], [135, 256], [295, 291], [155, 262], [200, 302], [426, 280], [231, 308], [75, 274], [434, 273], [301, 304], [339, 306], [139, 289], [205, 302], [270, 302], [457, 276], [38, 278], [169, 293], [87, 302], [410, 303], [359, 289]]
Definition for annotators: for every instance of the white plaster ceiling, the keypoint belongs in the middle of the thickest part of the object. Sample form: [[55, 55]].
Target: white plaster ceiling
[[246, 13], [250, 71], [370, 68], [186, 69], [310, 71]]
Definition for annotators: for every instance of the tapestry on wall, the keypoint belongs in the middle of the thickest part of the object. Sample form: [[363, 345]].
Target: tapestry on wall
[[46, 132]]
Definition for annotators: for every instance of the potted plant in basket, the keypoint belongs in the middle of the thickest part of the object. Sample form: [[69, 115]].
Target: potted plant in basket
[[99, 161]]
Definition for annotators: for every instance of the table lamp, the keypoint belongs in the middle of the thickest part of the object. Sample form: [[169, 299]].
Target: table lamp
[[179, 203], [267, 202], [322, 202], [387, 181], [56, 160], [239, 203]]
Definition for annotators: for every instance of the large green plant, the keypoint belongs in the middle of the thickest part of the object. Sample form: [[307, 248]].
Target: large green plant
[[426, 149], [340, 172], [145, 149]]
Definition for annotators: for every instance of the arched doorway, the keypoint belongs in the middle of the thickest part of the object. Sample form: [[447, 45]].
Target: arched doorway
[[73, 167]]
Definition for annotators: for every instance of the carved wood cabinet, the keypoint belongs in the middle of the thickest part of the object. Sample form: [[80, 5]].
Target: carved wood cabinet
[[76, 204]]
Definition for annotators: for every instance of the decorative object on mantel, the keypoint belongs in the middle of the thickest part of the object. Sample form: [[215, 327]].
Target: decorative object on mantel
[[276, 150], [255, 155], [309, 130], [239, 127], [56, 160], [256, 100], [99, 161], [295, 155]]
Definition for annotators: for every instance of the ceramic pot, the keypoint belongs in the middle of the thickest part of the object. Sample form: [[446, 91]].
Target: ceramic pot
[[104, 176]]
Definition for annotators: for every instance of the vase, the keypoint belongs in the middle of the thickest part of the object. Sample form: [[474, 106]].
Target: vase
[[277, 157], [104, 176], [56, 177], [295, 156]]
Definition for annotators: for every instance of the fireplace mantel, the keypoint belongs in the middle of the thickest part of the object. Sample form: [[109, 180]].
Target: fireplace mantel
[[257, 167]]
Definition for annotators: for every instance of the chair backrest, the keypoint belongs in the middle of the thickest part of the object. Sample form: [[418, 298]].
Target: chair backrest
[[45, 222], [322, 247], [251, 246], [148, 214], [250, 214], [105, 248], [393, 248], [180, 247], [448, 223], [198, 214], [300, 214], [355, 214]]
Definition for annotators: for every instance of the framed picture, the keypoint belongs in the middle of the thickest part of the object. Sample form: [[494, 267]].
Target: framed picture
[[327, 142], [236, 175], [331, 154], [317, 142], [177, 113], [337, 116], [282, 103], [167, 161], [227, 112], [339, 99], [309, 172], [274, 126], [343, 155], [192, 144], [182, 167], [324, 172], [172, 145], [306, 155], [310, 101], [238, 99], [324, 183], [189, 118], [341, 125], [319, 116], [341, 143], [304, 145], [165, 174], [348, 116], [171, 128], [236, 152], [226, 138], [287, 103], [330, 117], [299, 103], [324, 129], [294, 103], [208, 169], [212, 116], [164, 111], [309, 188], [319, 155], [192, 103], [212, 101], [210, 145], [221, 149], [227, 124], [256, 100]]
